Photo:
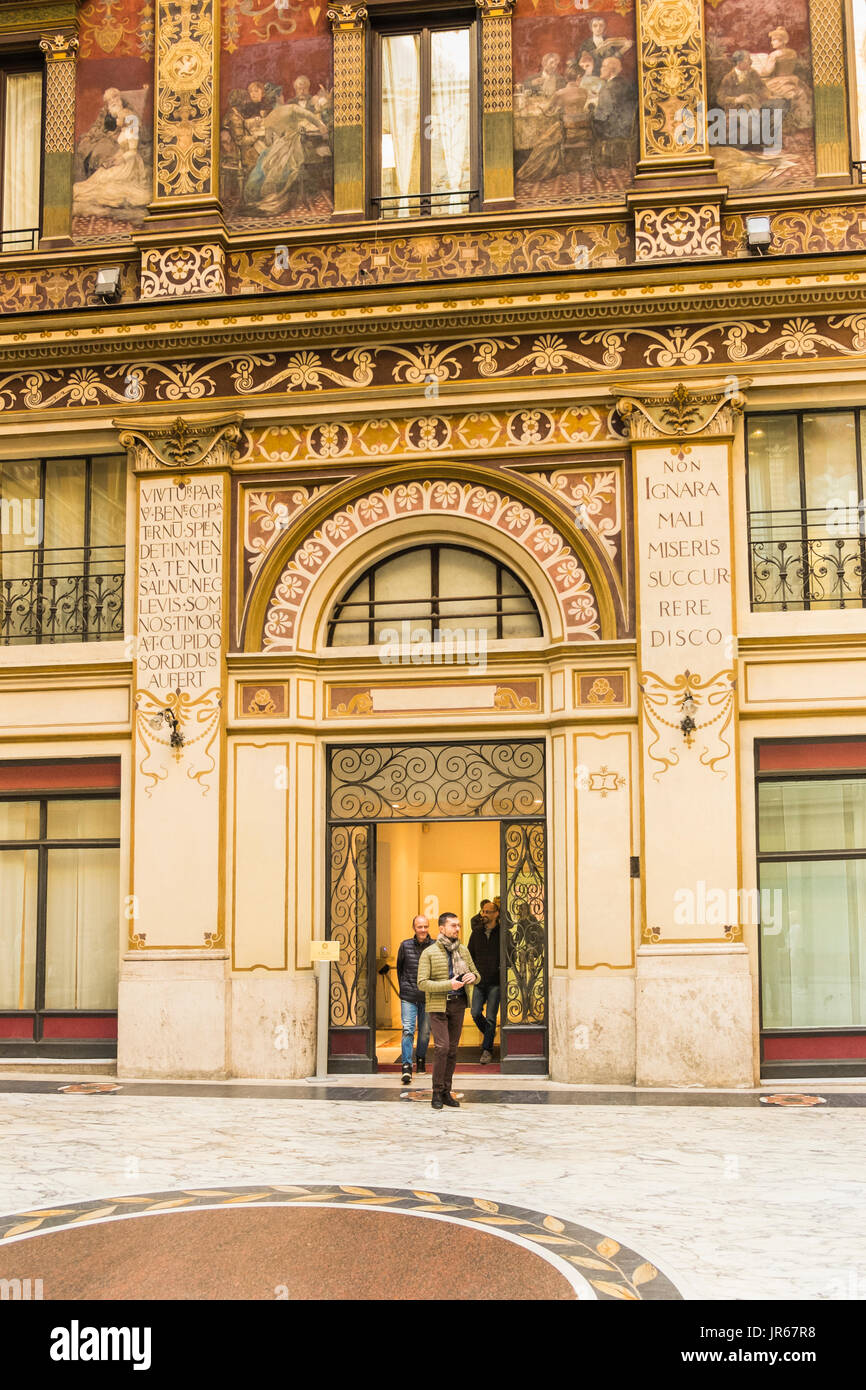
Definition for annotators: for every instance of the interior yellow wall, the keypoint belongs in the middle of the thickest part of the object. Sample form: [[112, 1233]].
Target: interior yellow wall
[[418, 870]]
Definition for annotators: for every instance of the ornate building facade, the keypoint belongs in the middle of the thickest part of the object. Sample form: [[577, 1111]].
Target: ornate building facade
[[432, 465]]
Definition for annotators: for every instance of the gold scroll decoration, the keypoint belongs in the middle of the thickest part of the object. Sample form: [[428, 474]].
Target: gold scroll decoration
[[185, 116], [349, 23], [180, 443], [826, 26], [671, 50], [683, 412]]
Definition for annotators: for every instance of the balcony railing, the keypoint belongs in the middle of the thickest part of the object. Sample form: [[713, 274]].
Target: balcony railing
[[806, 559], [19, 239], [427, 204], [63, 595]]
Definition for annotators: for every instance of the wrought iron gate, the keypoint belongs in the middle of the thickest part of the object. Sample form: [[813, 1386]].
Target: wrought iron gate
[[502, 781]]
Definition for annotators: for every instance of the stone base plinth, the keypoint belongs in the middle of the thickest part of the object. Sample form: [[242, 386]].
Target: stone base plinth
[[173, 1014], [694, 1016], [592, 1028], [273, 1025]]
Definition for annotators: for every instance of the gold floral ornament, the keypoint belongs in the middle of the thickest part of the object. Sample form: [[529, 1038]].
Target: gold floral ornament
[[197, 721], [601, 693], [714, 702], [181, 443], [683, 412]]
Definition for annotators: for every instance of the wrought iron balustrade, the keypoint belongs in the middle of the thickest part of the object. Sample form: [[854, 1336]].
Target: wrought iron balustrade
[[451, 204], [804, 559], [61, 595]]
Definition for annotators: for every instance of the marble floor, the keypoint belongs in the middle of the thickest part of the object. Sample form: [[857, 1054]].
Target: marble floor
[[698, 1200]]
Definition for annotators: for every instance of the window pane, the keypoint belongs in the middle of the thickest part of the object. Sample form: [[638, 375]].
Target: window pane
[[450, 117], [520, 625], [18, 891], [799, 817], [405, 577], [81, 944], [19, 820], [464, 573], [107, 500], [93, 818], [64, 506], [830, 460], [22, 153], [401, 122], [813, 944], [774, 468], [21, 529]]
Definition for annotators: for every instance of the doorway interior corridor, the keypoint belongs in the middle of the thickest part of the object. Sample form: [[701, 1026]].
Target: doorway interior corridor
[[410, 826]]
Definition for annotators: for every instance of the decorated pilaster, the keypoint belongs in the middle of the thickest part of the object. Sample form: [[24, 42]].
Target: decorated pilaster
[[59, 149], [349, 23], [182, 243], [827, 34], [174, 982], [693, 1006], [676, 198], [497, 88]]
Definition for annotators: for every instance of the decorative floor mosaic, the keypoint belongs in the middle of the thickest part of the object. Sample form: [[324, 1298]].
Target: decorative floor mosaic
[[106, 1249]]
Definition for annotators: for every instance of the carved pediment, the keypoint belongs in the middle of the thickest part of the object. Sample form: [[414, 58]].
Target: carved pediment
[[682, 411]]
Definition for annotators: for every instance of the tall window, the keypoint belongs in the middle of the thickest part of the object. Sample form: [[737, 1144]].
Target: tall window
[[59, 887], [425, 120], [812, 874], [807, 521], [437, 591], [62, 531], [21, 171]]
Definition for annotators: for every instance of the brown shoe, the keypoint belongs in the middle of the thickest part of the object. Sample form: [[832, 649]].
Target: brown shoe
[[448, 1099], [437, 1101]]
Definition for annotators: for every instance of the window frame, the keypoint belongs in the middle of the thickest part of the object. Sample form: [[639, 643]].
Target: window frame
[[40, 551], [803, 774], [434, 598], [859, 415], [422, 21], [43, 846], [12, 62]]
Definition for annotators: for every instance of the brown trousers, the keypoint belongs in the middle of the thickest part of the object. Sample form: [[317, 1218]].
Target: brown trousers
[[446, 1029]]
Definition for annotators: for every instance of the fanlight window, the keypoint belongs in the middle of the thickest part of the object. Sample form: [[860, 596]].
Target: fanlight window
[[436, 590]]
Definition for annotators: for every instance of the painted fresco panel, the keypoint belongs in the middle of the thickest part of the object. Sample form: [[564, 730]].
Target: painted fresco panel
[[575, 100], [276, 113], [759, 75], [113, 119]]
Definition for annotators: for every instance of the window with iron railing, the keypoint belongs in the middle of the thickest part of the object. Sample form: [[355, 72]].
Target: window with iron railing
[[425, 123], [807, 520], [62, 529], [21, 164]]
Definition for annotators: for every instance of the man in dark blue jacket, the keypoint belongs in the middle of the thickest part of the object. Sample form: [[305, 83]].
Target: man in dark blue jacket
[[412, 1010]]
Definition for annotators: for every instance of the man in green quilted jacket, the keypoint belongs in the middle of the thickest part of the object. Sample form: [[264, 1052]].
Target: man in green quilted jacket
[[446, 974]]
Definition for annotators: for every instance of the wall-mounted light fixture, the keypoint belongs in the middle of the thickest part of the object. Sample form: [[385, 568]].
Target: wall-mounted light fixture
[[687, 723], [758, 234], [168, 716], [107, 282]]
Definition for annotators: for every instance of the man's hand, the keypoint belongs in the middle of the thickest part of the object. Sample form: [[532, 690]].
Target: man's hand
[[457, 984]]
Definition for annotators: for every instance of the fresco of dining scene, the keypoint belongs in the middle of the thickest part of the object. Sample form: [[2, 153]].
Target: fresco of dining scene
[[575, 100], [759, 75], [276, 114], [113, 179]]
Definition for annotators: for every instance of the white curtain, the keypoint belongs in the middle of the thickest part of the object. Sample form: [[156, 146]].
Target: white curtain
[[21, 156], [401, 116], [449, 152], [81, 946], [18, 894]]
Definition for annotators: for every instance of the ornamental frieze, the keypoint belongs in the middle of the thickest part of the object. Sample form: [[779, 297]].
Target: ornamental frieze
[[431, 368], [800, 231], [367, 261]]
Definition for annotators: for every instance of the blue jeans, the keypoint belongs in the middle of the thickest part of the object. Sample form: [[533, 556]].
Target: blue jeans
[[490, 994], [412, 1014]]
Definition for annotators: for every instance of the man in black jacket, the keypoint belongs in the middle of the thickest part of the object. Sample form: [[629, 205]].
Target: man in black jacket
[[484, 950], [412, 1010]]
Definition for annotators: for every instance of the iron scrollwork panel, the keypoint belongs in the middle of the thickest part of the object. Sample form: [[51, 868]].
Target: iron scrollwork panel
[[349, 909], [524, 902], [436, 781]]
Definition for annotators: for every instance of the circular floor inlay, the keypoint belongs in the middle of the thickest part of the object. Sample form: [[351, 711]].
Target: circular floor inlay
[[315, 1241], [788, 1098]]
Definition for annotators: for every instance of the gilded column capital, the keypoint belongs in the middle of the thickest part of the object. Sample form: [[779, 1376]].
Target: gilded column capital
[[495, 9], [682, 412], [347, 16], [59, 48], [181, 443]]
